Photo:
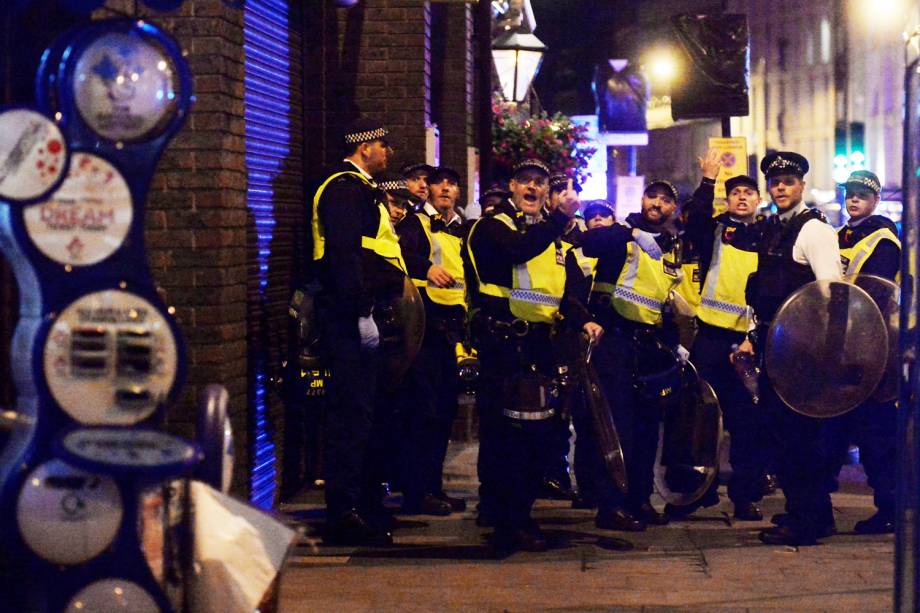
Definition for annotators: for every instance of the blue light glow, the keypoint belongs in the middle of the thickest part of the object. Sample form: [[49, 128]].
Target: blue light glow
[[267, 101]]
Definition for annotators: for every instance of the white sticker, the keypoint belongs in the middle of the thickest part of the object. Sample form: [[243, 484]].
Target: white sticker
[[112, 596], [67, 515], [129, 447], [33, 154], [87, 218], [110, 359], [125, 87]]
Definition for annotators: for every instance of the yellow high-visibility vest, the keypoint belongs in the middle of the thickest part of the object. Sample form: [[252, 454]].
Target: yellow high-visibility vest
[[644, 284], [384, 243], [854, 258], [445, 252], [689, 287], [537, 285], [723, 302]]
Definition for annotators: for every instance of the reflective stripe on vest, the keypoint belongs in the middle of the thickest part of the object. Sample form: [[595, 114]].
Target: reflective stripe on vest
[[643, 285], [445, 252], [854, 258], [723, 302], [537, 285], [587, 265], [385, 243]]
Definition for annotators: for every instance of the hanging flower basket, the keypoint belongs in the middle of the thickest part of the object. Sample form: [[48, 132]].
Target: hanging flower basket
[[555, 139]]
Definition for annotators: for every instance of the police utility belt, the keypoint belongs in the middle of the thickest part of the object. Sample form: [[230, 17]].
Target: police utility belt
[[514, 329]]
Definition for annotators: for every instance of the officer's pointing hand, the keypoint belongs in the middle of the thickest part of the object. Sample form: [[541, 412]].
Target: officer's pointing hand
[[594, 331], [570, 202], [440, 277], [711, 164]]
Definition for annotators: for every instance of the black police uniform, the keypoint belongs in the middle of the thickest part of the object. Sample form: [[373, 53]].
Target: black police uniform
[[510, 350], [637, 418], [433, 385], [714, 343], [872, 426], [352, 279]]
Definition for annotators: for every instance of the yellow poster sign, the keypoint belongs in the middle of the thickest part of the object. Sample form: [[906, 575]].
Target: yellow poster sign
[[733, 152]]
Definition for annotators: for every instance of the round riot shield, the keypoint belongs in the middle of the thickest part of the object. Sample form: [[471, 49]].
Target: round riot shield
[[687, 461], [826, 349], [604, 431], [401, 322], [887, 297]]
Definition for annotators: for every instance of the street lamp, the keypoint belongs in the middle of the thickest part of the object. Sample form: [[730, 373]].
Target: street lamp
[[517, 60]]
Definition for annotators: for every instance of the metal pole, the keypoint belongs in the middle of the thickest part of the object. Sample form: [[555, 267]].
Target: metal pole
[[483, 28], [726, 126], [907, 544]]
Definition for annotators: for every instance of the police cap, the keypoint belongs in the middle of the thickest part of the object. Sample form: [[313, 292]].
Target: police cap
[[443, 172], [530, 164], [598, 207], [559, 181], [865, 179], [784, 163], [667, 185], [365, 131], [734, 182], [499, 190], [395, 185], [411, 169]]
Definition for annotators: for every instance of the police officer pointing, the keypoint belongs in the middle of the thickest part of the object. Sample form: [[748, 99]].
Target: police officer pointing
[[517, 281]]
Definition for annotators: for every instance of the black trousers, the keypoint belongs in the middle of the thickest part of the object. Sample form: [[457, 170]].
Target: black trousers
[[872, 426], [637, 421], [429, 412], [511, 451], [803, 456], [742, 418], [350, 415]]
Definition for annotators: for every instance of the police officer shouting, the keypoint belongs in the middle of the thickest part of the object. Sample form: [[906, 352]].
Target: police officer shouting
[[638, 266], [517, 281], [358, 262], [431, 242], [797, 247], [728, 255]]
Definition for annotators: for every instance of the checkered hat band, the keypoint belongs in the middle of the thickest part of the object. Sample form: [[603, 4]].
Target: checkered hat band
[[531, 164], [780, 163], [867, 182], [389, 186], [367, 136]]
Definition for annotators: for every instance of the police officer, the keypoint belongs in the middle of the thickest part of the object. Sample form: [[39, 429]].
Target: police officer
[[869, 245], [561, 186], [416, 176], [399, 199], [495, 194], [358, 262], [638, 266], [797, 247], [727, 246], [517, 281], [431, 241], [598, 214]]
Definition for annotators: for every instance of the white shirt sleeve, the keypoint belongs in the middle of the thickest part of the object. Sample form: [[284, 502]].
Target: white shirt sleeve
[[816, 246]]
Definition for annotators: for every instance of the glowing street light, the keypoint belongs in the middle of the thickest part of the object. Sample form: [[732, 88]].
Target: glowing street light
[[661, 66]]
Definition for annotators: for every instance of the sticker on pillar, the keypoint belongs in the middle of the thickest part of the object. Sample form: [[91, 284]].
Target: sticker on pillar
[[67, 515], [126, 87], [113, 596], [87, 218], [127, 449], [110, 359], [33, 155]]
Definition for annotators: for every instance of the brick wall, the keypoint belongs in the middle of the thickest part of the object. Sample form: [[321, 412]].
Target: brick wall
[[452, 80], [374, 60], [197, 218]]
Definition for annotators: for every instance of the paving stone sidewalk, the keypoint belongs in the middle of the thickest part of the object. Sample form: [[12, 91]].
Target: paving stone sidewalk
[[706, 563]]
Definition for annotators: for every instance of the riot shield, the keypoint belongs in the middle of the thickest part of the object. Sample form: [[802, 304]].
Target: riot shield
[[401, 322], [687, 461], [826, 349], [605, 432], [887, 297]]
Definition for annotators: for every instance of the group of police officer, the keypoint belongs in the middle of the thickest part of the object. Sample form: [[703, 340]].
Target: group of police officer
[[528, 273]]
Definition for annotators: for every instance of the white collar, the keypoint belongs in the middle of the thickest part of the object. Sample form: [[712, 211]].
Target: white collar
[[433, 212], [787, 215], [361, 170], [853, 223]]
